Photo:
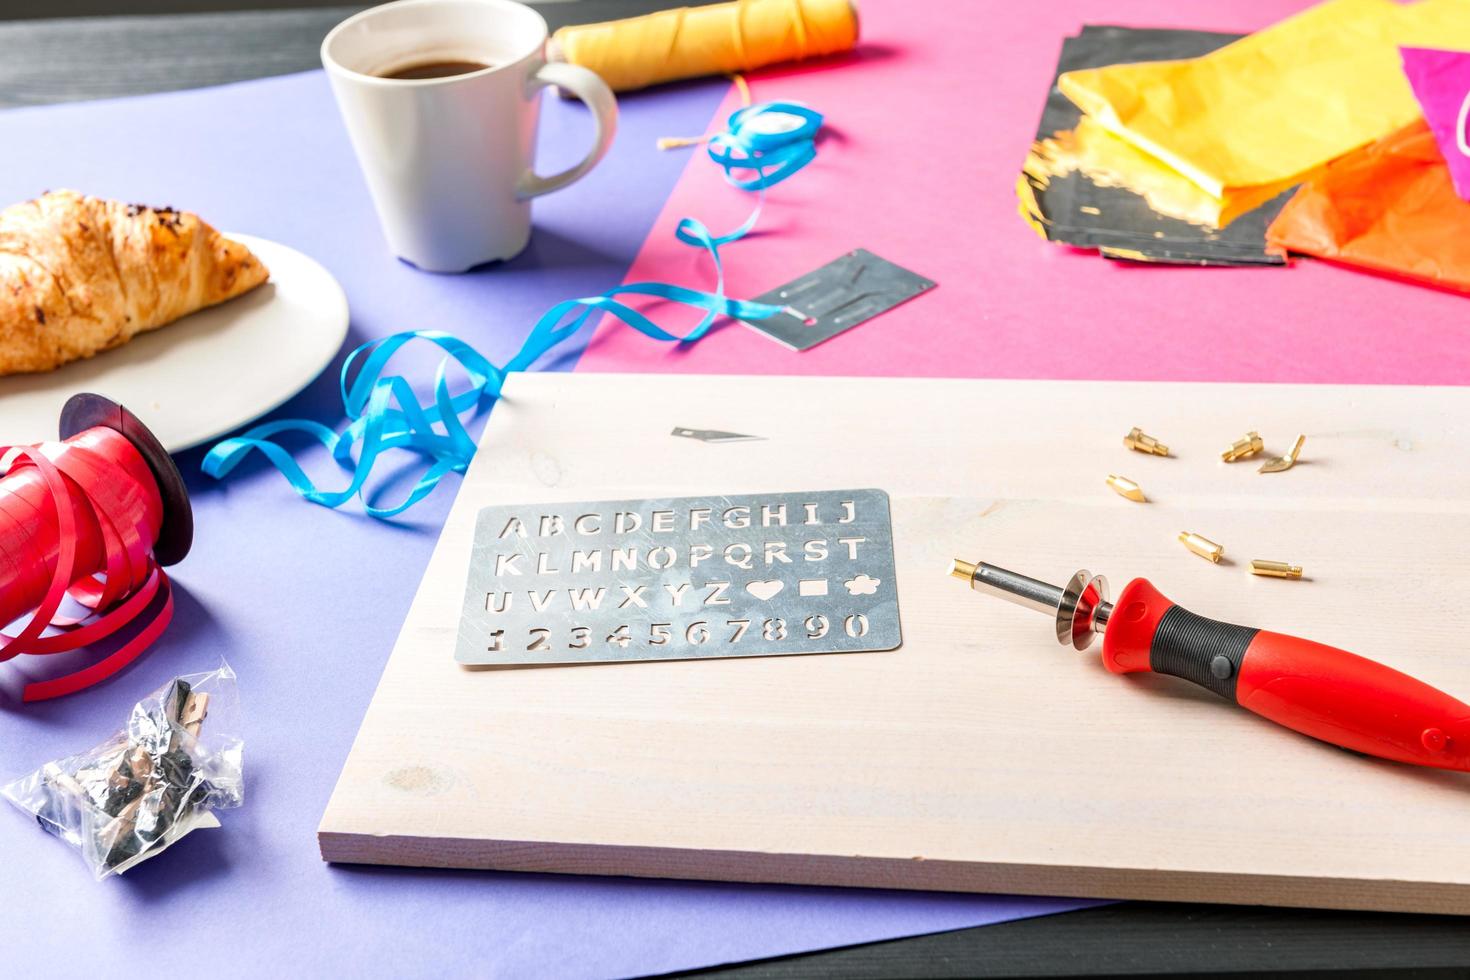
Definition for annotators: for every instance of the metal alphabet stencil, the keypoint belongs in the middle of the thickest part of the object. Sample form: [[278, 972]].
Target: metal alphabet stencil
[[680, 578], [849, 290]]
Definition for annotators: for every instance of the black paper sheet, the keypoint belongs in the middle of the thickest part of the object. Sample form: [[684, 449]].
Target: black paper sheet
[[1076, 211]]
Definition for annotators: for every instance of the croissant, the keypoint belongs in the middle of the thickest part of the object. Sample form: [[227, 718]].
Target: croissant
[[80, 275]]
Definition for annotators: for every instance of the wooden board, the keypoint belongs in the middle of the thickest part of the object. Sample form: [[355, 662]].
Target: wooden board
[[980, 755]]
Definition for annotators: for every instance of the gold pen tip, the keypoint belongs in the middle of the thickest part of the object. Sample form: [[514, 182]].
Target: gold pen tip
[[960, 568]]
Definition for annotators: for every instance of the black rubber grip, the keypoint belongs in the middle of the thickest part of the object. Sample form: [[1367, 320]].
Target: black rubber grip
[[1200, 650]]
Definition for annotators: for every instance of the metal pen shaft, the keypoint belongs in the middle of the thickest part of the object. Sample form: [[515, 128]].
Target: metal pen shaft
[[1010, 586], [1078, 610]]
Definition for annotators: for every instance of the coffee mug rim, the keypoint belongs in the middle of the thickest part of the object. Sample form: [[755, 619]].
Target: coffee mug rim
[[331, 64]]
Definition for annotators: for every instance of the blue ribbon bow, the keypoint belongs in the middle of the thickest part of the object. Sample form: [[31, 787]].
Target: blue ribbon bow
[[771, 141]]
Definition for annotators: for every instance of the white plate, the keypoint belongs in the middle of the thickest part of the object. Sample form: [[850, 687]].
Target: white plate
[[208, 373]]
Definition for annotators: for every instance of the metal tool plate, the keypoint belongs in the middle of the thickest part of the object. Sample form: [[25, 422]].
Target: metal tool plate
[[847, 291], [678, 578]]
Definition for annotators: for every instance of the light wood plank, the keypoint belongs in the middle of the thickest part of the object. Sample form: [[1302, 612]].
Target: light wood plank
[[980, 755]]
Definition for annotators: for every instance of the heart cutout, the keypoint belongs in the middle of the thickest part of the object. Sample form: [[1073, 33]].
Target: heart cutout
[[764, 591]]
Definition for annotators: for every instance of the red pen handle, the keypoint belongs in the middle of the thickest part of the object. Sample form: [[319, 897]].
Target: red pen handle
[[1318, 690]]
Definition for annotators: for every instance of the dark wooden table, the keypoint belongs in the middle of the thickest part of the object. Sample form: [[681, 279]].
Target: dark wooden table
[[85, 57]]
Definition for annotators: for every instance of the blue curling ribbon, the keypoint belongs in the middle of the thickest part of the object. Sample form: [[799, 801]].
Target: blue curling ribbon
[[771, 141]]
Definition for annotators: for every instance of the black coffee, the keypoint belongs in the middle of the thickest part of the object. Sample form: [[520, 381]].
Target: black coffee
[[435, 69]]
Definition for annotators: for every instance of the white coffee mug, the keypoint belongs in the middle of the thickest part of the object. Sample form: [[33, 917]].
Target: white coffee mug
[[449, 160]]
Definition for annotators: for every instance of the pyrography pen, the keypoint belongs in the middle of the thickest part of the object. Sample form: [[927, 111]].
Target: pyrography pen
[[1318, 690]]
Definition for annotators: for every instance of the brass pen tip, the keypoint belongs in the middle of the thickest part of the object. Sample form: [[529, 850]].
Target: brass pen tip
[[1125, 487], [1202, 546], [1275, 569], [1141, 442], [960, 568], [1248, 445]]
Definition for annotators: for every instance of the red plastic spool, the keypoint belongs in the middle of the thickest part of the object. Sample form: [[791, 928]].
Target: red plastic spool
[[105, 501]]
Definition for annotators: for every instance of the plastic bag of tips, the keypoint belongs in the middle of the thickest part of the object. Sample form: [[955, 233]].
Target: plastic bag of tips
[[131, 797]]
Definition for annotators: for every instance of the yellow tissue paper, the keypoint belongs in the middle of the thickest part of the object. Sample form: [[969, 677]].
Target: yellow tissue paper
[[1112, 162], [1270, 108]]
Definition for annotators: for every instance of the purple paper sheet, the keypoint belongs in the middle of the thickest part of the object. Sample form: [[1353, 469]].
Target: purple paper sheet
[[305, 603]]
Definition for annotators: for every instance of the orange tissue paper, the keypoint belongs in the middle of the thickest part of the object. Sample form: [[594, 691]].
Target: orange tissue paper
[[1390, 207]]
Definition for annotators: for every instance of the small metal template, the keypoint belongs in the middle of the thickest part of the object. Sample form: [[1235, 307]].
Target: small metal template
[[848, 291], [681, 578]]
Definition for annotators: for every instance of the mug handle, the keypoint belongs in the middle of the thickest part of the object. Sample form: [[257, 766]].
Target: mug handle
[[592, 90]]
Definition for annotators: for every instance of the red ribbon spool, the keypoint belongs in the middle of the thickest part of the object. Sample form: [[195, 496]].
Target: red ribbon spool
[[107, 500]]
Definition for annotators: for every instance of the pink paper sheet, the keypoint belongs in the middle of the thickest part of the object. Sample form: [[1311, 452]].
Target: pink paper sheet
[[927, 130]]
